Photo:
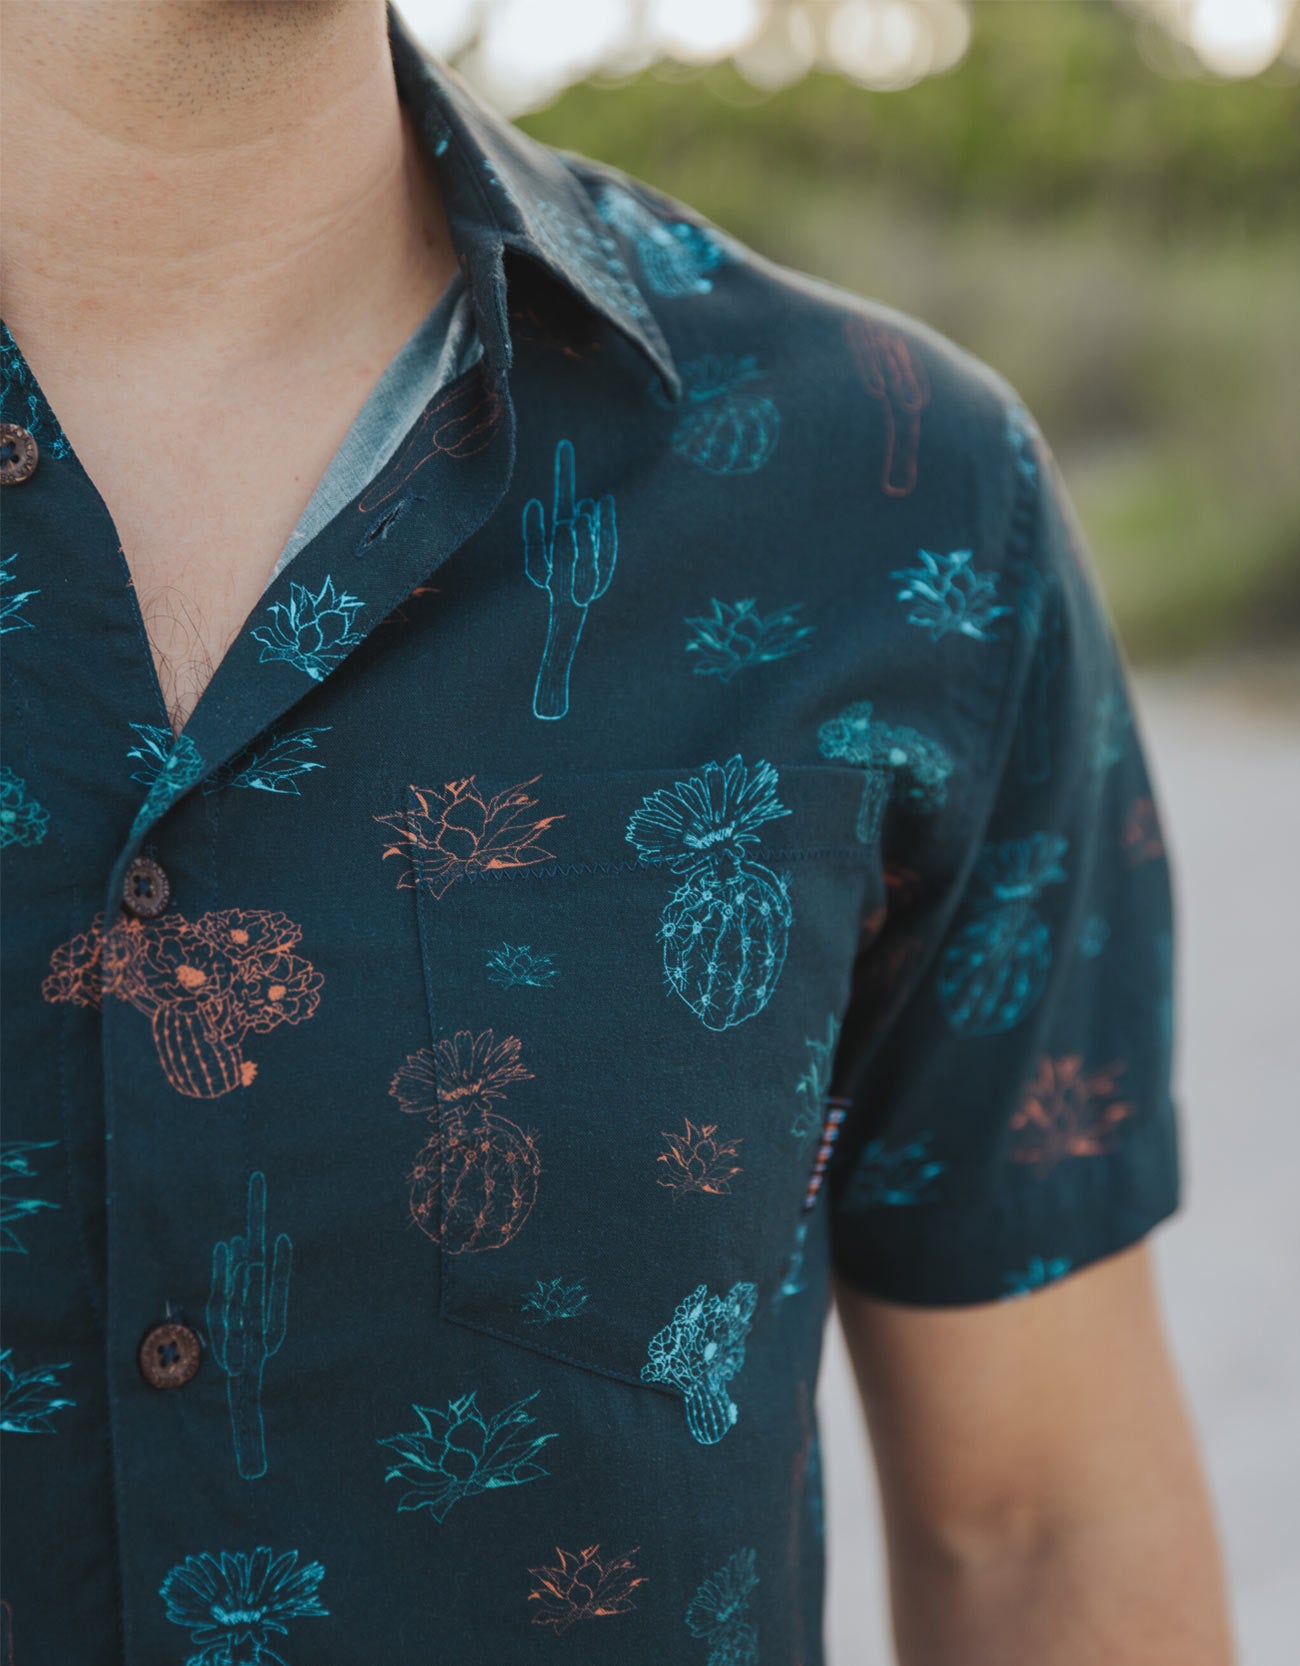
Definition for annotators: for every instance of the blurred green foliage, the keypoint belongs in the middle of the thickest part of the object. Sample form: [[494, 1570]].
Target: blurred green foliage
[[1124, 247]]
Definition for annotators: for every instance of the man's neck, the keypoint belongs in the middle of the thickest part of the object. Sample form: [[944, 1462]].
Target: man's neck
[[236, 174]]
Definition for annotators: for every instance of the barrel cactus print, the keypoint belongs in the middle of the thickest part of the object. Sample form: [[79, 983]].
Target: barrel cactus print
[[29, 1399], [699, 1351], [234, 1603], [718, 1613], [676, 257], [735, 636], [728, 428], [725, 929], [205, 985], [583, 1586], [459, 1452], [996, 968], [22, 820], [474, 1182], [903, 766]]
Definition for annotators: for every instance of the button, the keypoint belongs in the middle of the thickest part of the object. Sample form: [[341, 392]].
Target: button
[[19, 454], [169, 1355], [145, 887]]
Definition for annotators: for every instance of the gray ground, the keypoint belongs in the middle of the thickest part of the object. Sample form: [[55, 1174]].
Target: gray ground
[[1224, 750]]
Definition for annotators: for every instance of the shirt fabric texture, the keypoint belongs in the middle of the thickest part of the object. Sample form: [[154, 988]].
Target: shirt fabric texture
[[678, 831]]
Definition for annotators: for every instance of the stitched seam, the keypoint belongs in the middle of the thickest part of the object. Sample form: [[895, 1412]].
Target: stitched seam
[[561, 870]]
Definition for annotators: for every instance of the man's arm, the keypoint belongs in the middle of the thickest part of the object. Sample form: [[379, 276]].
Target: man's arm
[[1042, 1491]]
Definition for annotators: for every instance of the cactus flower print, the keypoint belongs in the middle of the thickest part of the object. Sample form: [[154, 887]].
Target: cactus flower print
[[176, 766], [949, 597], [1066, 1113], [885, 1177], [234, 1603], [310, 632], [699, 1351], [735, 636], [459, 1452], [580, 1586], [901, 765], [551, 1299], [12, 603], [16, 1165], [698, 1161], [456, 833], [725, 929], [246, 1320], [474, 1181], [29, 1399], [892, 373], [718, 1613], [516, 963], [1034, 1276], [728, 428], [996, 968], [675, 257], [22, 820], [573, 563], [204, 985]]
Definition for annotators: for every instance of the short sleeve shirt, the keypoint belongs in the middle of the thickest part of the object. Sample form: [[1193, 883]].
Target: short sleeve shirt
[[678, 835]]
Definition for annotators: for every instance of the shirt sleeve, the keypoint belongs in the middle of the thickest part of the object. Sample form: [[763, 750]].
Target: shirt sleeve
[[1004, 1062]]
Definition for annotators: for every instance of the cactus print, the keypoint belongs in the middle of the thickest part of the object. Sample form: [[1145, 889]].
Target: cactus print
[[22, 820], [996, 969], [1034, 1276], [1066, 1113], [903, 766], [16, 1165], [551, 1299], [698, 1161], [893, 374], [474, 1182], [892, 1177], [311, 632], [11, 606], [518, 963], [699, 1351], [1112, 726], [718, 1612], [204, 985], [730, 429], [676, 258], [593, 255], [1140, 839], [735, 636], [580, 1586], [27, 1400], [246, 1320], [725, 929], [456, 833], [573, 563], [949, 597], [234, 1603], [460, 422], [457, 1453]]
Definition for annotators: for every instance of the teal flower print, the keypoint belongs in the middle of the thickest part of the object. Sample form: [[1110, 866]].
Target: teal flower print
[[11, 606], [177, 765], [551, 1299], [459, 1452], [735, 636], [812, 1085], [312, 632], [22, 401], [676, 257], [232, 1603], [16, 1164], [718, 1612], [517, 963], [22, 820], [273, 768], [884, 1177], [699, 1351], [27, 1402], [948, 596], [902, 764], [1034, 1276]]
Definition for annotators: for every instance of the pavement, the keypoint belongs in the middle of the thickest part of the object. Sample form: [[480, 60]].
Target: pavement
[[1223, 747]]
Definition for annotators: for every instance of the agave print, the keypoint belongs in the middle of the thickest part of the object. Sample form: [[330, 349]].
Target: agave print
[[22, 820], [1065, 1113], [699, 1351], [812, 1085], [22, 401], [234, 1602], [949, 597], [582, 1586], [11, 606], [996, 968], [456, 833], [735, 636], [459, 1452], [676, 257], [718, 1612], [313, 632], [515, 963], [27, 1400], [725, 929], [551, 1299], [175, 766], [16, 1164]]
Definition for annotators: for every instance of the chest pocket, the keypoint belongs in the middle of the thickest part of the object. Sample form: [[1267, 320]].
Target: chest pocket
[[633, 984]]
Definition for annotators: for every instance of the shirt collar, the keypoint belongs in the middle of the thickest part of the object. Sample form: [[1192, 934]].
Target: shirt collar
[[503, 189]]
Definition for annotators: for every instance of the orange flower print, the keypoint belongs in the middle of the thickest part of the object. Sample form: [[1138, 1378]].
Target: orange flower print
[[203, 984], [474, 1181], [1067, 1114], [1140, 840], [698, 1161], [457, 832], [581, 1587]]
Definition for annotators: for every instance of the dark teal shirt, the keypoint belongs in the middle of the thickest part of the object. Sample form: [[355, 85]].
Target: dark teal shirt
[[679, 833]]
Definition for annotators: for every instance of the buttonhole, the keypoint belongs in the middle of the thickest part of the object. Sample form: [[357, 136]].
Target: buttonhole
[[383, 523]]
